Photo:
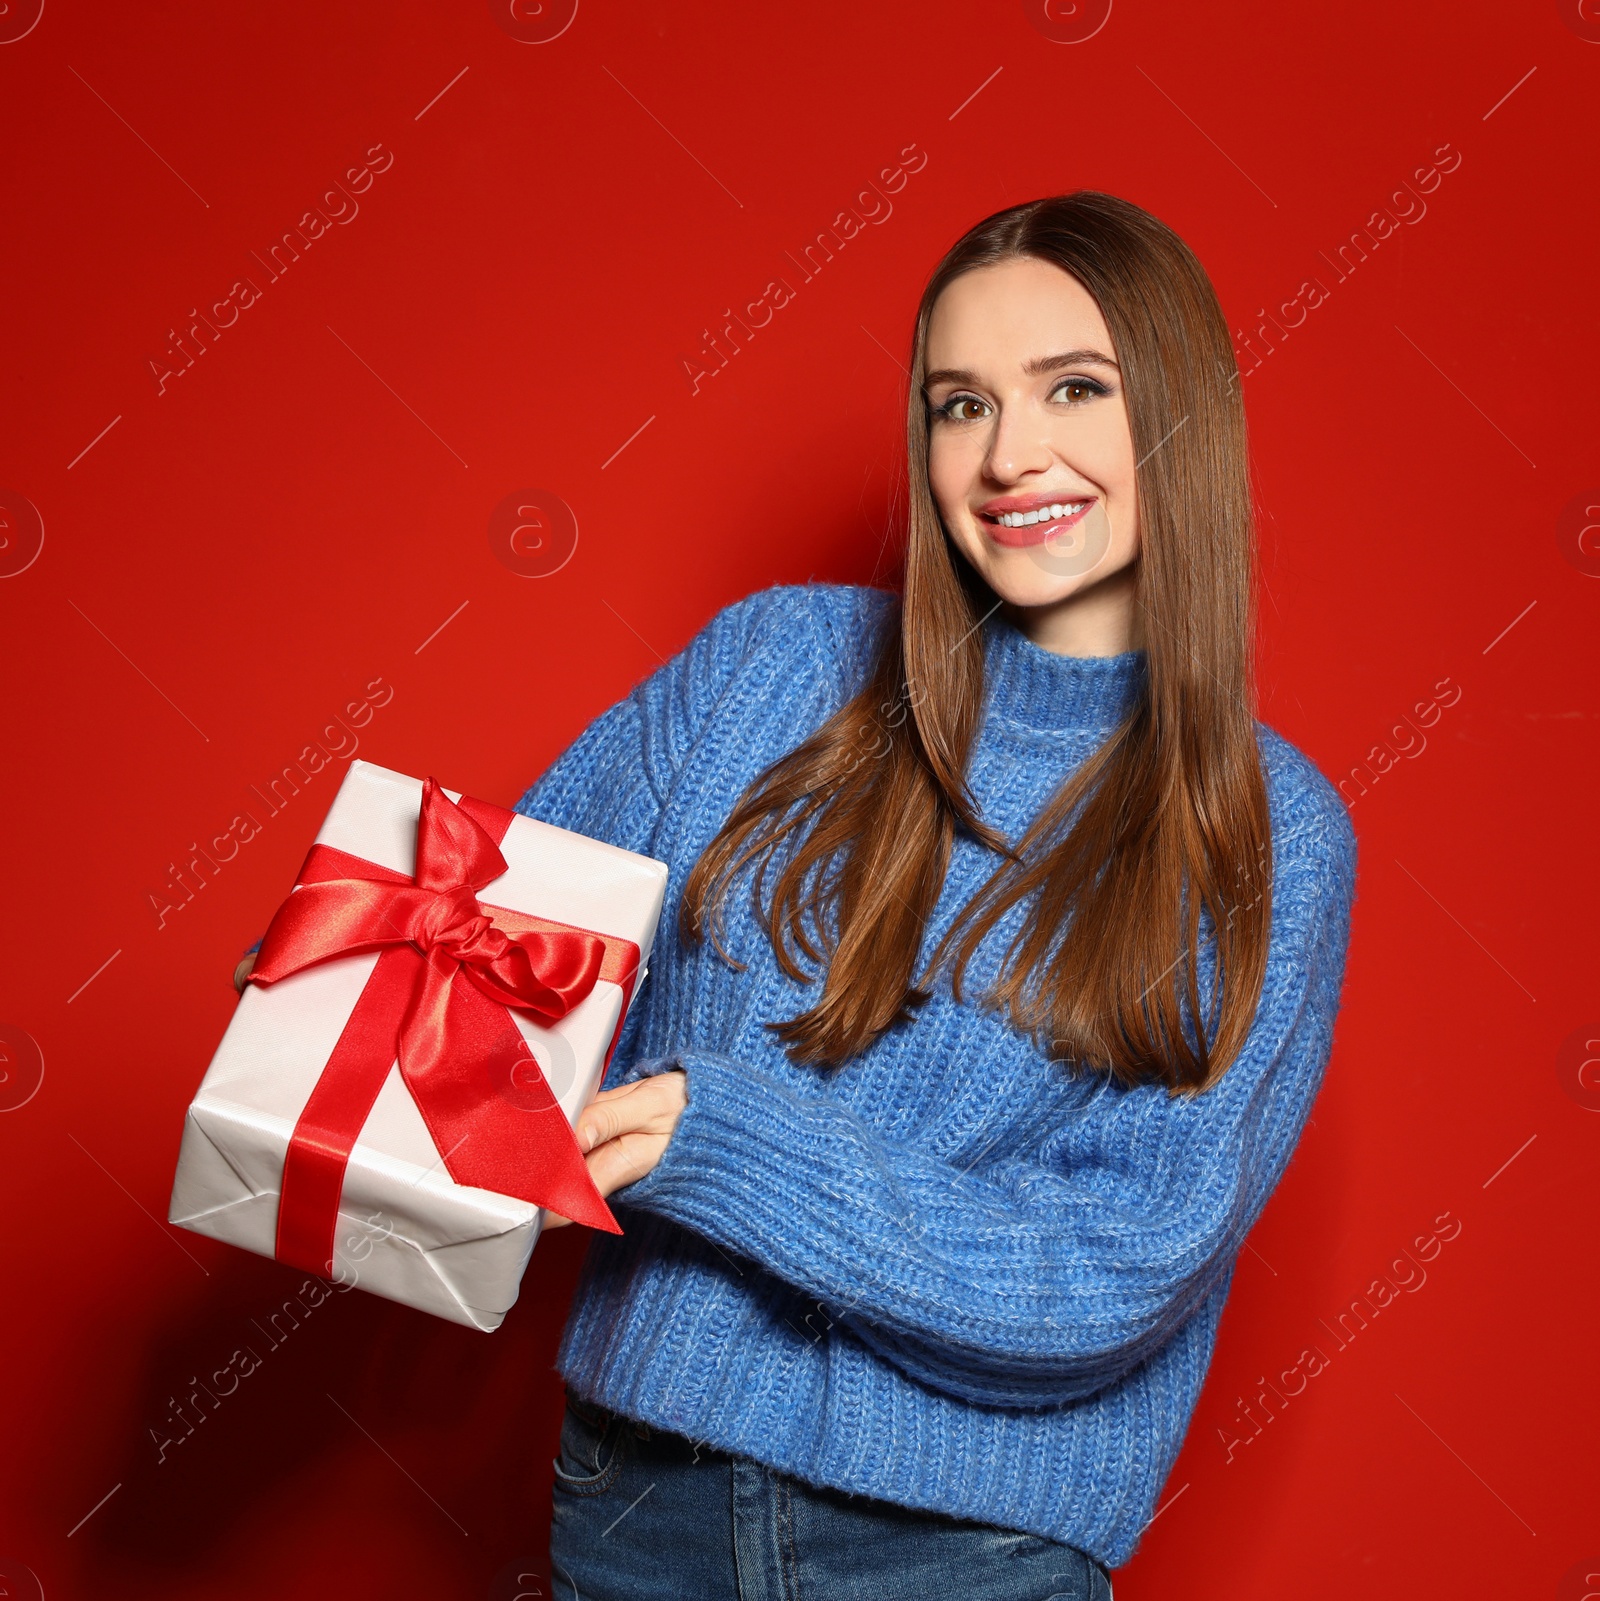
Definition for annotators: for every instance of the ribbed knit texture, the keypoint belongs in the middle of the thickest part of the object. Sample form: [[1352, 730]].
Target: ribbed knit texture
[[949, 1274]]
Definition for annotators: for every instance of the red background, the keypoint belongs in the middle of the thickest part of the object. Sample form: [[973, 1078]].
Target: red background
[[301, 512]]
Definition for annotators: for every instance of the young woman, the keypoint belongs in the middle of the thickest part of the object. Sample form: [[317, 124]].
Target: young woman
[[983, 1019]]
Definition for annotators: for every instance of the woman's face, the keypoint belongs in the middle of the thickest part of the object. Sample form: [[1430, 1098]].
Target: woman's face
[[1030, 457]]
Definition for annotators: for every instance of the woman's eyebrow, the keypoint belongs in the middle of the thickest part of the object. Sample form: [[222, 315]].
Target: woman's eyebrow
[[1070, 358], [1034, 369]]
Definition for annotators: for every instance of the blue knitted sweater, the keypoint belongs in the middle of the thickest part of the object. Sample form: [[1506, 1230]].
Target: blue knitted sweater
[[950, 1274]]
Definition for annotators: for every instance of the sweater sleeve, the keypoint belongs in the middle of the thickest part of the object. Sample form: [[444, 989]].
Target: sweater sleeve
[[612, 781], [1038, 1275]]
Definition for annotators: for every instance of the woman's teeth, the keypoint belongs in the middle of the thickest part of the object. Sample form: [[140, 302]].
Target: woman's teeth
[[1045, 514]]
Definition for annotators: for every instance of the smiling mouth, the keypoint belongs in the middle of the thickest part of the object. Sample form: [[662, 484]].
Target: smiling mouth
[[1035, 527]]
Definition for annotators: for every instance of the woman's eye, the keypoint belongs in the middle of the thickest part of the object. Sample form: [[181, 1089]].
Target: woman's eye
[[962, 408], [1074, 391]]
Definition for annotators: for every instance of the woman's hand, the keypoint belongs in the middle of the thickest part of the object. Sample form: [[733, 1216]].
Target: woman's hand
[[626, 1130]]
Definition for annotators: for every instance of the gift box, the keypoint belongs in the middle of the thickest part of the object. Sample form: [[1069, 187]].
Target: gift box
[[431, 1009]]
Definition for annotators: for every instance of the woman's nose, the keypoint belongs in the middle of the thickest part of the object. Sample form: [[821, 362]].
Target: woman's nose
[[1019, 446]]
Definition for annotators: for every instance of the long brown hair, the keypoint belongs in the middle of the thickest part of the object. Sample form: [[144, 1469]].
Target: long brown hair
[[1166, 820]]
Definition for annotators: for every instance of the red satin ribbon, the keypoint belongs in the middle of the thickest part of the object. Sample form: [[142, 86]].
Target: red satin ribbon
[[437, 1002]]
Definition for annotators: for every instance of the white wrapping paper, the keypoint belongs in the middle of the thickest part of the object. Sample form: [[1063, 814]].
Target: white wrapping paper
[[406, 1229]]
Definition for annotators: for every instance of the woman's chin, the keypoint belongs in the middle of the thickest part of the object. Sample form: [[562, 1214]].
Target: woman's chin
[[1022, 583]]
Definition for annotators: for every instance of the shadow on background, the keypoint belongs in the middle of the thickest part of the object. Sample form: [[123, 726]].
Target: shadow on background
[[473, 1418]]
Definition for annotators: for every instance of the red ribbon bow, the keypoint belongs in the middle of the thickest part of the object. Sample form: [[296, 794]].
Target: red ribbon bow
[[438, 1002]]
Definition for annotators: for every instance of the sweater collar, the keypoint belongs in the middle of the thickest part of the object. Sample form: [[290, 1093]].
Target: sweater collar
[[1029, 685]]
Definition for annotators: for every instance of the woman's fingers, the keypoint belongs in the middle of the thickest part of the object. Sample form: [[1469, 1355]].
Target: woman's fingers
[[648, 1105], [617, 1162], [622, 1160], [613, 1113], [242, 971], [625, 1131]]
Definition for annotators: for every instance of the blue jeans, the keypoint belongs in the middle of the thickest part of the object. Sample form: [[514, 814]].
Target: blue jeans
[[641, 1514]]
